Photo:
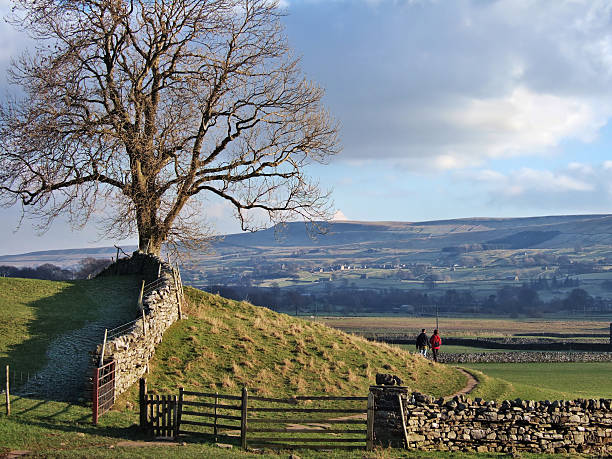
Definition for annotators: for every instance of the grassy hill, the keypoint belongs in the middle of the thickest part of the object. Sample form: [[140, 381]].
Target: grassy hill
[[226, 344]]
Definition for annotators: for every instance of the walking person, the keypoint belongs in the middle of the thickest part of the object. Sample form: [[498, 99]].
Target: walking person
[[435, 342], [421, 343]]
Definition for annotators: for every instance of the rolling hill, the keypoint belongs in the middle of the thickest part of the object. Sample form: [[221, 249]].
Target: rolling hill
[[551, 232]]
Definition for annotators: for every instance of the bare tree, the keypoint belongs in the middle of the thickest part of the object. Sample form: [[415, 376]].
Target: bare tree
[[146, 107]]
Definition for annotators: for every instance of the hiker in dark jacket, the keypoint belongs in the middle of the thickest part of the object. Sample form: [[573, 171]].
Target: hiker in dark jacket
[[435, 342], [421, 343]]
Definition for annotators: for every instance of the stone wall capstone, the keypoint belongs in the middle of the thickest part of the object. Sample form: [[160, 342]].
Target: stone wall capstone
[[461, 424], [132, 350]]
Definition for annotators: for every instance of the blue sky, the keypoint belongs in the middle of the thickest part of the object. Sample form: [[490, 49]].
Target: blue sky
[[448, 109]]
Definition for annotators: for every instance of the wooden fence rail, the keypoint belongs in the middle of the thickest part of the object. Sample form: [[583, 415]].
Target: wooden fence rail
[[341, 423]]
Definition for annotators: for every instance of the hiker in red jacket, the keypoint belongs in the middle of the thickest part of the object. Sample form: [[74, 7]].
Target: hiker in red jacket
[[435, 342]]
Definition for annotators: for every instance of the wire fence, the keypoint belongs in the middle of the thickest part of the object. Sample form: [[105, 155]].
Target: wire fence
[[123, 329], [17, 378], [146, 289], [153, 285]]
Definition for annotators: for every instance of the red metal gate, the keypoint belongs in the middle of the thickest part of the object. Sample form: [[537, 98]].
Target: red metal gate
[[103, 390]]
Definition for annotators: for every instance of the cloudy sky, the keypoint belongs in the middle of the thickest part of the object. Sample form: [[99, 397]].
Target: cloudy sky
[[448, 108]]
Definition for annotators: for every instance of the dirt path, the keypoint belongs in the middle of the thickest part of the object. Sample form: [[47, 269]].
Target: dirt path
[[472, 382]]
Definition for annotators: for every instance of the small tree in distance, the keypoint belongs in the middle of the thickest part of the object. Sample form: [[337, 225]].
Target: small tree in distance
[[145, 107]]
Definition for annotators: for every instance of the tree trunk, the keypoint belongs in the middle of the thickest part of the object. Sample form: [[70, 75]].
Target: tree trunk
[[150, 234]]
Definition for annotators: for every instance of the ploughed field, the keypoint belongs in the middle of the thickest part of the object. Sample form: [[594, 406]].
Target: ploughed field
[[467, 327]]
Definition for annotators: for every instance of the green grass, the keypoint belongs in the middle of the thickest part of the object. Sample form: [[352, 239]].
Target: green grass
[[59, 430], [35, 312], [543, 381], [221, 346]]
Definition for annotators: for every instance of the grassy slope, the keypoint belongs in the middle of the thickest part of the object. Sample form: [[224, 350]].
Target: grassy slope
[[227, 344], [36, 311]]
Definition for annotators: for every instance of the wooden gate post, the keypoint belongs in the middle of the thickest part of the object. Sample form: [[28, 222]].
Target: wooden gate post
[[96, 386], [370, 425], [243, 418], [8, 395], [179, 413], [174, 416], [142, 399]]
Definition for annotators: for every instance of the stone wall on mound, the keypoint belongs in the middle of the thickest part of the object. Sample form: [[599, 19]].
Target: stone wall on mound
[[132, 349], [461, 424]]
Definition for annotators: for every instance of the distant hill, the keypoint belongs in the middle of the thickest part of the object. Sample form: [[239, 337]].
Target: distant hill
[[549, 232], [541, 232], [63, 258]]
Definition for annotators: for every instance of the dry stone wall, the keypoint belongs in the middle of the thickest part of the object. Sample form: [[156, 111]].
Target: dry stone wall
[[525, 357], [461, 424], [133, 349]]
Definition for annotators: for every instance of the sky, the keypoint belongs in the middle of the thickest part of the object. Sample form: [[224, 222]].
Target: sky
[[447, 108]]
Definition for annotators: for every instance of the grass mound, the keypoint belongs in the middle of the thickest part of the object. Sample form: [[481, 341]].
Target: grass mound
[[226, 344]]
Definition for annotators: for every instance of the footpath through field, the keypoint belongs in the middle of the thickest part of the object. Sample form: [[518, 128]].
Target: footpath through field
[[472, 382]]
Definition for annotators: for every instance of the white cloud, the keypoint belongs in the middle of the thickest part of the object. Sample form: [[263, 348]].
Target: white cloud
[[576, 187], [526, 121], [449, 85]]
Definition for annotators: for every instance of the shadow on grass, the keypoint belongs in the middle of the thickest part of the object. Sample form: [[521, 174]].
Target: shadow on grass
[[50, 418], [69, 418], [64, 322]]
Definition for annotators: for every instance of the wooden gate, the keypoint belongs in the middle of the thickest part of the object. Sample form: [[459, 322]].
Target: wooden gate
[[103, 390], [158, 413], [314, 422], [311, 422]]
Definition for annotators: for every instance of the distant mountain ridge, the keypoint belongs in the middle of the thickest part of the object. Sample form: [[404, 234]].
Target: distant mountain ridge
[[546, 232], [559, 231]]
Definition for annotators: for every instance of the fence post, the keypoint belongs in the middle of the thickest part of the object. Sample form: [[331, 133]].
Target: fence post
[[243, 418], [175, 416], [216, 403], [142, 397], [103, 349], [96, 385], [8, 395], [141, 295], [179, 412], [370, 431], [178, 296], [401, 407]]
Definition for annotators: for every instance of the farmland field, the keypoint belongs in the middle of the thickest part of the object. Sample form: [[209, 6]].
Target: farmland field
[[465, 327]]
